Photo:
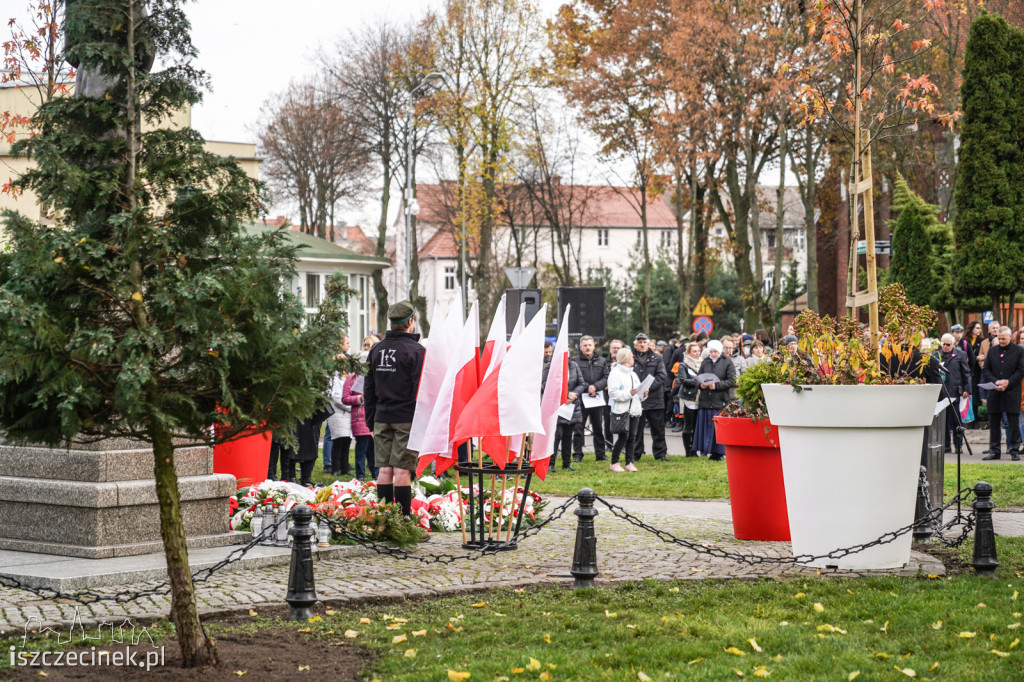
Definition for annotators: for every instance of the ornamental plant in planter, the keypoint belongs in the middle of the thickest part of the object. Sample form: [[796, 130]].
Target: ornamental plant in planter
[[753, 460], [851, 422]]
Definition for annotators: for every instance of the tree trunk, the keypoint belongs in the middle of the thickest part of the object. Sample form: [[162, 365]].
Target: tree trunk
[[772, 304], [645, 295], [379, 290], [418, 301], [196, 648], [681, 278], [810, 225], [700, 236]]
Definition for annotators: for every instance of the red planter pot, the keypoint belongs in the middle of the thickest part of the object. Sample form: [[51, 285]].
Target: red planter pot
[[756, 488], [247, 459]]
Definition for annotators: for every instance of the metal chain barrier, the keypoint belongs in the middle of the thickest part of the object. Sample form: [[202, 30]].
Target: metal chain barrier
[[162, 589], [399, 553], [752, 559], [935, 520]]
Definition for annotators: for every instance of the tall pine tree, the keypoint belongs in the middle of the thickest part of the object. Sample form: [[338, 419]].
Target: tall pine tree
[[913, 260], [989, 233], [145, 311]]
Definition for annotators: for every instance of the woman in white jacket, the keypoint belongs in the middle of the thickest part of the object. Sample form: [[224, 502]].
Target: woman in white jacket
[[623, 384], [340, 426]]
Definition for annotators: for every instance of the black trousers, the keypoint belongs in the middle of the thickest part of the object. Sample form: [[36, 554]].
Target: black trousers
[[596, 417], [626, 440], [563, 440], [995, 427], [339, 455], [279, 452], [689, 426], [656, 419]]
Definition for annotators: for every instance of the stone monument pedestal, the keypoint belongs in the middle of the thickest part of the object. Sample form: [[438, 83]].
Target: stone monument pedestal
[[98, 501]]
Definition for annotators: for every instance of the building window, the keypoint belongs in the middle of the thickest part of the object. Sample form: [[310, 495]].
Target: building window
[[666, 238], [312, 290], [449, 278], [799, 239], [602, 237]]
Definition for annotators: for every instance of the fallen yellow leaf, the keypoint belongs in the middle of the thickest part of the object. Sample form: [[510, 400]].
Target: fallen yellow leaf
[[1015, 642], [762, 671], [303, 667], [253, 613], [694, 661], [642, 676], [881, 655], [547, 638], [673, 589], [305, 630], [754, 646], [330, 612], [455, 675], [453, 628], [1000, 654], [828, 627], [410, 653], [818, 607], [544, 676], [735, 651], [981, 605], [398, 639], [937, 625], [799, 595], [966, 635], [609, 614], [480, 605], [778, 658], [1014, 597], [499, 615], [137, 297], [518, 671], [241, 672], [351, 634], [909, 672], [394, 626], [534, 664], [935, 666], [419, 633], [852, 676], [739, 673], [364, 621], [1013, 626]]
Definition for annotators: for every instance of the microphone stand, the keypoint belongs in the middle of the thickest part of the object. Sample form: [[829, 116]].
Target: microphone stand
[[960, 431]]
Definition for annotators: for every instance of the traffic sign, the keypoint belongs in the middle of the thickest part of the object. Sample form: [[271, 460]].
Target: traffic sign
[[703, 308], [703, 324]]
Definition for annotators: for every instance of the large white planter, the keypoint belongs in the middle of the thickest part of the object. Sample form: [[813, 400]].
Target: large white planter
[[850, 460]]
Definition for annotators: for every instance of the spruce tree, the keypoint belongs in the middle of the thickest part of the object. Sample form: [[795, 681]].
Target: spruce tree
[[143, 309], [913, 260], [989, 231]]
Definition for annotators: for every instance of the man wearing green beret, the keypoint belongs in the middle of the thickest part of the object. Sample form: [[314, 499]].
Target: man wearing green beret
[[392, 382]]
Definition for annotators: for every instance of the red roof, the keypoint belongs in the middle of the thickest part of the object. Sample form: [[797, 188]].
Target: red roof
[[351, 237]]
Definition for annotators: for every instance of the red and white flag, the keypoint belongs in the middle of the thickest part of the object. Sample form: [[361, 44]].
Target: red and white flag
[[555, 392], [520, 324], [460, 383], [508, 401], [496, 344], [435, 366]]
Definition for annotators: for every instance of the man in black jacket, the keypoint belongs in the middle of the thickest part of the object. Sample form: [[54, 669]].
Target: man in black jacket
[[648, 363], [1004, 366], [594, 370], [957, 383], [392, 382]]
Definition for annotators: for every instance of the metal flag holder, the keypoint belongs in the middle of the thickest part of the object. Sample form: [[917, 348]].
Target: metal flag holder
[[482, 532]]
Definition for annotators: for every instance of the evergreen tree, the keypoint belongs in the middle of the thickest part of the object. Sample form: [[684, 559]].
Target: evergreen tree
[[913, 259], [145, 311], [989, 194]]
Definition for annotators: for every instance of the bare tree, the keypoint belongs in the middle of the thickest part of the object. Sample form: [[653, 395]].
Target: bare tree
[[313, 153]]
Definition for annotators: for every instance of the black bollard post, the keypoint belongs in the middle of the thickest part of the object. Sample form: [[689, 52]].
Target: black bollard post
[[584, 555], [301, 595], [984, 560], [922, 529]]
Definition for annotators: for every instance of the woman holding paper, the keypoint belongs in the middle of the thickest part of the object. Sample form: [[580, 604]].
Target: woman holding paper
[[352, 395], [717, 375], [627, 408]]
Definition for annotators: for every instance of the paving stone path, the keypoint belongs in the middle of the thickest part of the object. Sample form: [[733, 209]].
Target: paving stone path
[[624, 553]]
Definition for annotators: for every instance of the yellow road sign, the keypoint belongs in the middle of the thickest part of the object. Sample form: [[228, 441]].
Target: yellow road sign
[[703, 308]]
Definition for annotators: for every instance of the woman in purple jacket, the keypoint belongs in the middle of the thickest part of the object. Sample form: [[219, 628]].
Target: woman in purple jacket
[[362, 434]]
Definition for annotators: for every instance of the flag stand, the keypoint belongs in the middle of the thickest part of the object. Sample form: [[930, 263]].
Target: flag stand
[[479, 535]]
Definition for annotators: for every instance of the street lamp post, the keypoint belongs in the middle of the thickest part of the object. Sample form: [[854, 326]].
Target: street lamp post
[[411, 207]]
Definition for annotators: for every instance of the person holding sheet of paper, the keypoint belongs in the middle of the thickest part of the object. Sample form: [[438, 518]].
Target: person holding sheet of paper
[[957, 381], [712, 398], [594, 371], [627, 409], [1004, 367], [649, 366], [570, 414]]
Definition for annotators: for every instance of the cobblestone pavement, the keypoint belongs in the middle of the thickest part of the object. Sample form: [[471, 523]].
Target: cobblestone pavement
[[624, 553]]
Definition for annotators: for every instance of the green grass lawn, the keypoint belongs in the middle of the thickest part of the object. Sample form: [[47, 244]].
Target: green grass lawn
[[699, 478]]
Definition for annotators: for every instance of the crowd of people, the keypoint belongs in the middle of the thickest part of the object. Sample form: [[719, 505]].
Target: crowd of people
[[624, 394]]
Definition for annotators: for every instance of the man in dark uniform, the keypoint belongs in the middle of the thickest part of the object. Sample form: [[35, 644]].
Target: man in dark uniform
[[392, 382], [1004, 366], [648, 363], [594, 369]]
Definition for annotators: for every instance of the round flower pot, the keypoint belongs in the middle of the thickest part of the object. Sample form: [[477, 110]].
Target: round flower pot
[[247, 459], [756, 490], [850, 460]]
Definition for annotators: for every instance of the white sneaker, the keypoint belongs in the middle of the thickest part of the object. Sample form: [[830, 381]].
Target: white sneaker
[[631, 467], [617, 468]]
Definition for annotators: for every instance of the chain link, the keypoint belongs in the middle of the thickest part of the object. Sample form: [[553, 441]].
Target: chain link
[[752, 559], [935, 521], [399, 553], [163, 588]]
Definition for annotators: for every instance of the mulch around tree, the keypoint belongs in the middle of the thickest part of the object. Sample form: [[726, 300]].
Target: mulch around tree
[[272, 653]]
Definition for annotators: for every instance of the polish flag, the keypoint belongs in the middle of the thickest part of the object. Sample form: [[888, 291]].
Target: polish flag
[[508, 401], [496, 344], [503, 449], [460, 383], [435, 366], [555, 392], [520, 324]]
